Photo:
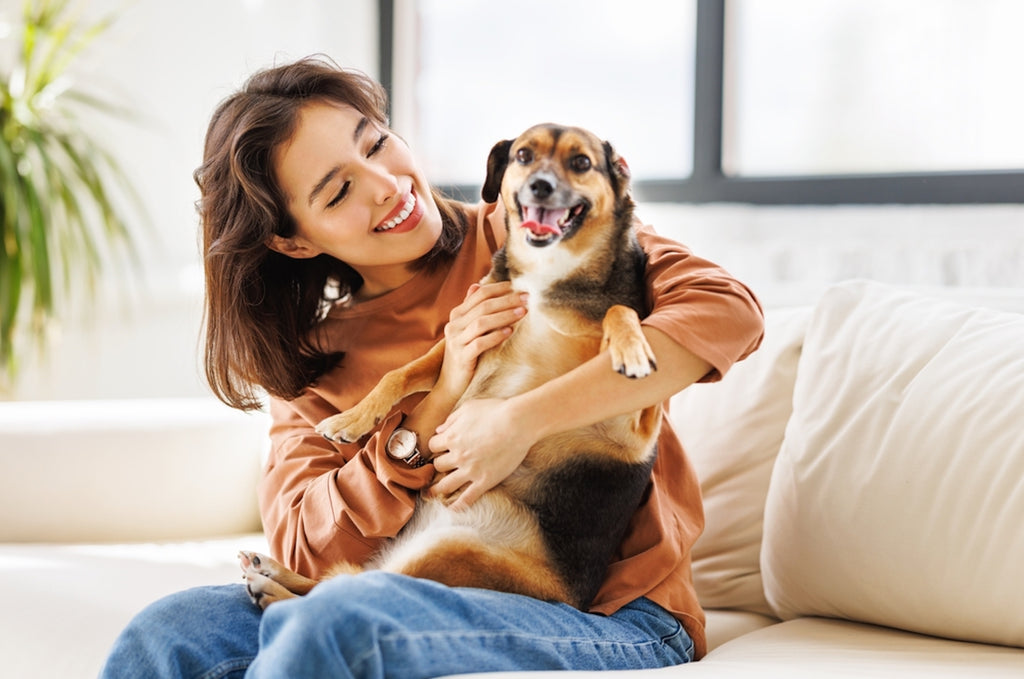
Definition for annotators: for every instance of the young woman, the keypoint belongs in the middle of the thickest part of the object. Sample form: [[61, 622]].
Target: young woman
[[329, 260]]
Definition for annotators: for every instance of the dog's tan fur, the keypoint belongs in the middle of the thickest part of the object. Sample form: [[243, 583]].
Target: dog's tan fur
[[550, 529]]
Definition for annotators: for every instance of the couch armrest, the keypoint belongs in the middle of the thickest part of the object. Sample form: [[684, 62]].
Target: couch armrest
[[112, 470]]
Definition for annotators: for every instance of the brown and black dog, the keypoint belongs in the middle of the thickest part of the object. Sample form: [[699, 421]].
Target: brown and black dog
[[551, 528]]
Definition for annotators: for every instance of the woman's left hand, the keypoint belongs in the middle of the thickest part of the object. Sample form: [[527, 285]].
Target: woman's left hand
[[477, 448]]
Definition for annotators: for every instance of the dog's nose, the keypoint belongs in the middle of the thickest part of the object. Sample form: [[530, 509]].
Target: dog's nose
[[541, 188]]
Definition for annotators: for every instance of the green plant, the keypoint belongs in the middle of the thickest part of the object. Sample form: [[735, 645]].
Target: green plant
[[62, 195]]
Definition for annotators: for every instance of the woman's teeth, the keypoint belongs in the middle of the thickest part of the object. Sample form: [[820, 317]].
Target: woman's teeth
[[410, 203]]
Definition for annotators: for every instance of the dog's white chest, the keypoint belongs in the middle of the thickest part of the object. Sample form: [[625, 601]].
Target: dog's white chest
[[546, 266]]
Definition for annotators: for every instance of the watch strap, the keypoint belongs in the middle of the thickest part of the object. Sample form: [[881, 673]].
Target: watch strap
[[415, 460]]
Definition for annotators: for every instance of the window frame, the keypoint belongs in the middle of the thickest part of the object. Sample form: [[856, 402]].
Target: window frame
[[708, 183]]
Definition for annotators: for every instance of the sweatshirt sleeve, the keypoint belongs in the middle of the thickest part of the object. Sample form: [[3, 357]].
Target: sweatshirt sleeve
[[699, 304], [322, 502]]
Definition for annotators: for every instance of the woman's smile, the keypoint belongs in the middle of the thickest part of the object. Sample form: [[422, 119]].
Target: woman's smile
[[405, 217]]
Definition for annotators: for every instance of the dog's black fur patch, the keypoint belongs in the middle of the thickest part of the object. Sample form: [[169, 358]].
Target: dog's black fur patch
[[584, 508], [625, 285]]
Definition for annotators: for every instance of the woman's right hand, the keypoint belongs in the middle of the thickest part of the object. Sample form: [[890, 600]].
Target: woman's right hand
[[482, 321]]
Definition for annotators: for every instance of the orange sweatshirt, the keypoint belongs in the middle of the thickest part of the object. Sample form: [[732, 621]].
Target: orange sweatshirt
[[322, 502]]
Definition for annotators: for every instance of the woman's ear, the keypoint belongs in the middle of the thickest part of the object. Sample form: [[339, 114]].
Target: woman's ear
[[294, 247]]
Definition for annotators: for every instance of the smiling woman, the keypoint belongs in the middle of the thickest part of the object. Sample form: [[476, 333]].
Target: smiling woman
[[322, 242], [360, 188]]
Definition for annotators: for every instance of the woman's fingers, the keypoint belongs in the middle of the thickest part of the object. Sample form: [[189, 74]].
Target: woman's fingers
[[482, 322], [486, 310], [487, 299]]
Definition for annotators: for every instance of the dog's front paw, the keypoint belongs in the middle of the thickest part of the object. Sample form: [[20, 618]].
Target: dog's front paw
[[634, 358], [348, 426], [622, 335]]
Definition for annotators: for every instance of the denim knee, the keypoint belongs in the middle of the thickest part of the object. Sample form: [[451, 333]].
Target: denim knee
[[336, 630], [208, 632]]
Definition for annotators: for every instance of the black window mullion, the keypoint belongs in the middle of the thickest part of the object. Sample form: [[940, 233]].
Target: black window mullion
[[708, 83], [386, 45]]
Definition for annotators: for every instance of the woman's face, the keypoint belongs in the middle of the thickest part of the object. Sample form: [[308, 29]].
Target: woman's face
[[356, 194]]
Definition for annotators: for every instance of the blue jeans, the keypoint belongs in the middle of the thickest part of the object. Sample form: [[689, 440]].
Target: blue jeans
[[384, 625]]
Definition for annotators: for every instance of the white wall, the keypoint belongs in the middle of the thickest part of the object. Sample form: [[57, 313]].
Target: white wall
[[175, 60], [789, 255], [172, 62]]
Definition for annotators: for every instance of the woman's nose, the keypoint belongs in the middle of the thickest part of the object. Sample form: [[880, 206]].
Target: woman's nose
[[382, 183]]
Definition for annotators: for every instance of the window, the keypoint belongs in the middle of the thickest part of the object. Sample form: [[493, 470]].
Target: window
[[485, 72], [789, 101], [865, 86]]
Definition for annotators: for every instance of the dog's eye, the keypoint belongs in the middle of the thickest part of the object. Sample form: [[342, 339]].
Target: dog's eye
[[580, 163], [524, 156]]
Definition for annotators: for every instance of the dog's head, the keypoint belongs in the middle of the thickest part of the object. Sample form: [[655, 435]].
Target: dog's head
[[553, 179]]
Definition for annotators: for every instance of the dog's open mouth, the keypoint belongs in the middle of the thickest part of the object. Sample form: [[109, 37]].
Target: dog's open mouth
[[546, 225]]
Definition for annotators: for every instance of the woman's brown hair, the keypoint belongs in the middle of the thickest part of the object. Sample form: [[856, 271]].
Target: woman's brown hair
[[261, 306]]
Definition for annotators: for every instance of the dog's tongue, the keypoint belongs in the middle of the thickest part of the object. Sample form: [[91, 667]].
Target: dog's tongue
[[540, 221]]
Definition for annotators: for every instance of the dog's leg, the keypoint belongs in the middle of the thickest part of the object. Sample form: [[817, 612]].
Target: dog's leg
[[467, 563], [419, 375], [623, 337], [267, 581]]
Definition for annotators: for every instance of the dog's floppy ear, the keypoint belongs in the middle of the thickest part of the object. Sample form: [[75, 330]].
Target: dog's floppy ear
[[618, 170], [496, 164]]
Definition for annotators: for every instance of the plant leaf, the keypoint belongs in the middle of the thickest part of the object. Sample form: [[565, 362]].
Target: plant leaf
[[62, 195]]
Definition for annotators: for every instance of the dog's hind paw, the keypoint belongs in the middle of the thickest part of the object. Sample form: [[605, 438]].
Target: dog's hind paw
[[263, 591], [258, 573], [348, 426], [267, 581]]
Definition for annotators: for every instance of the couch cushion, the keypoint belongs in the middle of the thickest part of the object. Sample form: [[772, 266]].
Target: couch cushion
[[112, 470], [723, 625], [65, 604], [814, 648], [732, 430], [897, 496]]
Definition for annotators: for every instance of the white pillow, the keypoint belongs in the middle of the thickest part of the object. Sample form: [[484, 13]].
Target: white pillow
[[138, 469], [732, 430], [898, 495]]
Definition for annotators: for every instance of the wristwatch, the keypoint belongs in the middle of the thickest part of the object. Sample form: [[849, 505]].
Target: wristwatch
[[402, 446]]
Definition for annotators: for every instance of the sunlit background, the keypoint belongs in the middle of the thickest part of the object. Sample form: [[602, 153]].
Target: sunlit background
[[811, 87]]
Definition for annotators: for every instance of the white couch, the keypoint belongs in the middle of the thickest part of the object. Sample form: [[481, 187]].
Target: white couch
[[863, 476]]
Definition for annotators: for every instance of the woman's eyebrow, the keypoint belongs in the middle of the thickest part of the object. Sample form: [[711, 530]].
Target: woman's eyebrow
[[326, 179]]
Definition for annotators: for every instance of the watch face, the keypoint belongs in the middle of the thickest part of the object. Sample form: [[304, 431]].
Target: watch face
[[402, 443]]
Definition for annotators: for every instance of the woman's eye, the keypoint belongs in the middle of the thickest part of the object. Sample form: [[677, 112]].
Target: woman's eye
[[341, 195], [524, 156], [377, 146], [381, 143]]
